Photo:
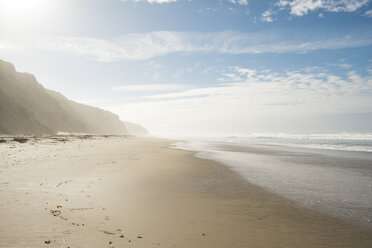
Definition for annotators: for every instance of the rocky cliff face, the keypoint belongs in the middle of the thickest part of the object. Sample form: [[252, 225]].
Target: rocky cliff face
[[26, 107]]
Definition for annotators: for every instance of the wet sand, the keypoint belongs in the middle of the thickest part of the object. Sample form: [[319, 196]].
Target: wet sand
[[95, 191]]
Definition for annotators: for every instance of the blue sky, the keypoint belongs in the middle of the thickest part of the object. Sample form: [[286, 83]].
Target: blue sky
[[210, 67]]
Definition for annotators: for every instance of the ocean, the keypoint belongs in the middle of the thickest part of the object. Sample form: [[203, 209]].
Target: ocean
[[327, 172]]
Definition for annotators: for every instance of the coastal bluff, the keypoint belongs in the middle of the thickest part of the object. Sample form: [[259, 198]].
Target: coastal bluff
[[26, 107]]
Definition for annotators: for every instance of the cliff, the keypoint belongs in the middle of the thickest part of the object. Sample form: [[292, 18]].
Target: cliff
[[136, 129], [26, 107]]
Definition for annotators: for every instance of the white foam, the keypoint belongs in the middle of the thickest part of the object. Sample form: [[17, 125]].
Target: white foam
[[310, 136], [361, 142], [326, 147]]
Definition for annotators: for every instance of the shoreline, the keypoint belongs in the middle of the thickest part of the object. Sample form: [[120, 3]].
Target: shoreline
[[331, 182], [138, 192]]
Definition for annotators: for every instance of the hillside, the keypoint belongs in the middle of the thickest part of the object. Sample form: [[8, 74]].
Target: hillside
[[135, 129], [26, 107]]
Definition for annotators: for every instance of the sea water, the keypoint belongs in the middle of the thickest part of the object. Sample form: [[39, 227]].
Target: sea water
[[328, 172]]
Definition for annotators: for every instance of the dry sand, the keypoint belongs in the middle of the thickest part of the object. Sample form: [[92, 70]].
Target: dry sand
[[137, 192]]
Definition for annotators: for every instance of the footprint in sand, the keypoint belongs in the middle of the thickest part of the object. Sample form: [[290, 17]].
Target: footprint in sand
[[117, 234], [111, 245], [56, 213], [77, 224]]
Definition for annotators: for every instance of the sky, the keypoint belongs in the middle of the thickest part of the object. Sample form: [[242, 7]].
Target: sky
[[202, 67]]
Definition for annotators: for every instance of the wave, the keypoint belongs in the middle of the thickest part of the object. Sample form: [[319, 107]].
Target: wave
[[309, 136], [327, 147], [361, 142]]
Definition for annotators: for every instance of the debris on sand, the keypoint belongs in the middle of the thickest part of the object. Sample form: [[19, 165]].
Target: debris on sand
[[59, 206], [20, 140], [112, 233], [59, 139], [85, 136], [47, 242], [107, 232], [56, 213]]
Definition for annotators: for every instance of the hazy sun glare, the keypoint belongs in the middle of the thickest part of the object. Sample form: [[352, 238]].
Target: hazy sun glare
[[31, 17], [21, 8], [18, 14]]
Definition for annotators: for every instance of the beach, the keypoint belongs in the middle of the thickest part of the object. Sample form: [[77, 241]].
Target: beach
[[329, 173], [122, 191]]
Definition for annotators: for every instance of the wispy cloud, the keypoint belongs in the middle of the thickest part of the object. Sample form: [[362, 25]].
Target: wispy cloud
[[303, 7], [258, 97], [345, 66], [148, 87], [267, 16], [315, 80], [240, 2], [142, 46], [368, 13], [152, 1]]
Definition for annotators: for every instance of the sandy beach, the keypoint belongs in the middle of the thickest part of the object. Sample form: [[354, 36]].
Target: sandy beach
[[117, 191]]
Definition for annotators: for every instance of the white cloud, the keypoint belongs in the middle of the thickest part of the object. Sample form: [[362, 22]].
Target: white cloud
[[368, 13], [142, 46], [148, 87], [258, 100], [303, 7], [241, 2], [345, 66], [161, 1], [342, 65], [267, 16], [152, 1]]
